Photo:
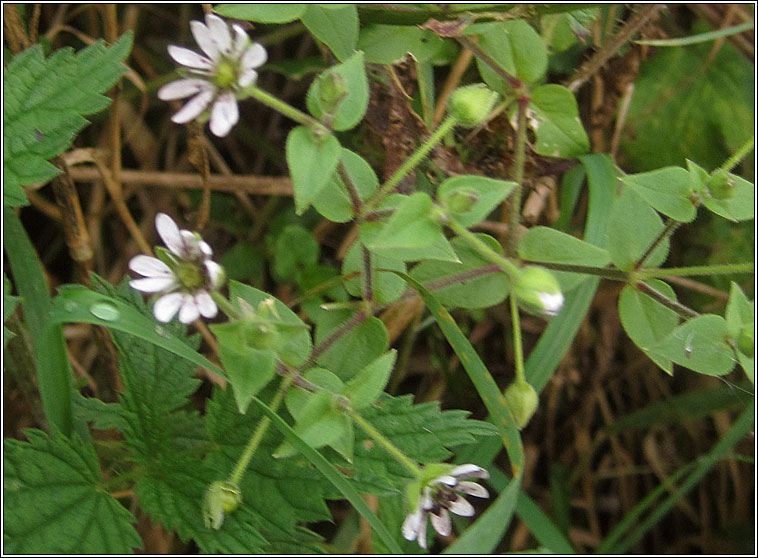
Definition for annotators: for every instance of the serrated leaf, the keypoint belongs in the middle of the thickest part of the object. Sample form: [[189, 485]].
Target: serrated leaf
[[700, 345], [668, 190], [262, 13], [647, 321], [337, 27], [54, 502], [368, 384], [489, 192], [311, 162], [556, 123], [9, 305], [353, 106], [454, 288], [635, 226], [353, 350], [333, 202], [45, 100]]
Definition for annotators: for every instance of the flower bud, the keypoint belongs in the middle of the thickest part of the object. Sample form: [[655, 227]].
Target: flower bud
[[222, 497], [460, 200], [746, 340], [538, 292], [522, 400], [471, 104], [332, 89], [721, 185]]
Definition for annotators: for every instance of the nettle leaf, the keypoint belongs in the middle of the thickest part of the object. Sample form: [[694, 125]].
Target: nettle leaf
[[413, 232], [387, 286], [311, 162], [647, 321], [700, 345], [333, 202], [262, 13], [353, 350], [336, 26], [387, 44], [668, 190], [9, 305], [515, 46], [423, 432], [54, 502], [369, 383], [462, 285], [635, 226], [486, 194], [351, 108], [44, 103], [556, 123]]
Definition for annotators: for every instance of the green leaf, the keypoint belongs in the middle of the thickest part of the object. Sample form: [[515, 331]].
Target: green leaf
[[333, 202], [636, 225], [9, 305], [387, 44], [387, 286], [700, 345], [355, 349], [44, 103], [311, 162], [352, 107], [739, 207], [319, 424], [337, 27], [54, 502], [294, 249], [244, 262], [668, 190], [369, 383], [515, 46], [740, 313], [463, 285], [488, 193], [556, 123], [647, 321], [262, 13]]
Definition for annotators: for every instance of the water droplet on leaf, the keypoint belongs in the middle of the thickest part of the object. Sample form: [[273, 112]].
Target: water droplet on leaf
[[105, 311]]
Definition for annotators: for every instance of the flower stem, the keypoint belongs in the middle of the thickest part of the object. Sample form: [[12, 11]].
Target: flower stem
[[225, 305], [255, 439], [514, 204], [732, 161], [410, 163], [382, 440], [745, 267], [485, 251], [289, 111], [517, 344]]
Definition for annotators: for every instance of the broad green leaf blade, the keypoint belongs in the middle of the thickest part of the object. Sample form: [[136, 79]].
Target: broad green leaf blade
[[387, 286], [353, 105], [9, 305], [668, 190], [740, 317], [369, 383], [311, 162], [387, 44], [336, 26], [54, 502], [333, 202], [295, 248], [262, 13], [700, 345], [636, 225], [53, 369], [353, 350], [318, 423], [488, 193], [556, 123], [45, 101], [472, 283], [480, 377]]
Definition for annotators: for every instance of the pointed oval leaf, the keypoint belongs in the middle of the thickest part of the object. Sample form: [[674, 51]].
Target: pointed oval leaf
[[311, 162]]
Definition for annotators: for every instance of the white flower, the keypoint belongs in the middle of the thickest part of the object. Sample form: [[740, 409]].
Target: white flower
[[439, 496], [215, 79], [184, 276]]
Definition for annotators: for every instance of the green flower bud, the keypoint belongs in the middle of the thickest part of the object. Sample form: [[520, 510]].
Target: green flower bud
[[222, 497], [471, 104], [746, 340], [332, 89], [721, 185], [460, 200], [538, 292], [261, 335], [522, 401]]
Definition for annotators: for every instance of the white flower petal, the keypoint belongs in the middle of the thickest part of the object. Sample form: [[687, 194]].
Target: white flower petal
[[426, 502], [250, 76], [153, 284], [166, 306], [194, 107], [241, 41], [224, 114], [473, 489], [220, 32], [182, 88], [444, 479], [215, 273], [204, 39], [206, 305], [169, 233], [422, 532], [189, 58], [188, 312], [469, 470], [206, 250], [150, 267], [551, 303], [190, 245], [442, 523], [254, 57], [460, 506], [411, 525]]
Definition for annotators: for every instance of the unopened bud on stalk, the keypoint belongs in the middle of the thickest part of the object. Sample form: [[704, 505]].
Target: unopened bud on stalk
[[471, 104], [721, 185], [222, 497], [460, 200], [332, 89], [538, 292], [522, 400]]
